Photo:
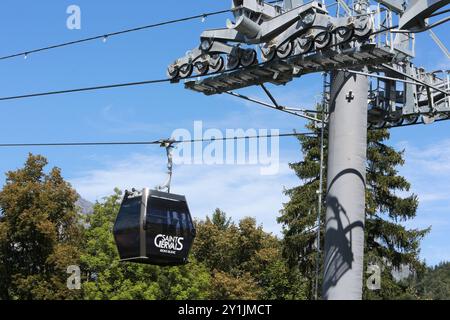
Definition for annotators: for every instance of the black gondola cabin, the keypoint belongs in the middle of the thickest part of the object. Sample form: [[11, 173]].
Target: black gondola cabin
[[154, 227]]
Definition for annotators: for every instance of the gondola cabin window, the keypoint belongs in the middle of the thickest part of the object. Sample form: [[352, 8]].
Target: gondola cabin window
[[127, 228]]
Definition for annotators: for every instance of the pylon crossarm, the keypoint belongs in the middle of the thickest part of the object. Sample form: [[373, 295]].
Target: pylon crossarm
[[423, 83]]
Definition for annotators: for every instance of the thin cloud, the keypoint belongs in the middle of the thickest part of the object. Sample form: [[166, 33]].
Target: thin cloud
[[427, 167]]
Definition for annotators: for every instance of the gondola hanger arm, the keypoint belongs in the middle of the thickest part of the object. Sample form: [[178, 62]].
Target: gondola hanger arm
[[168, 145]]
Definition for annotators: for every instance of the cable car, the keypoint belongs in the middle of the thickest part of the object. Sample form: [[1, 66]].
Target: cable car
[[154, 227]]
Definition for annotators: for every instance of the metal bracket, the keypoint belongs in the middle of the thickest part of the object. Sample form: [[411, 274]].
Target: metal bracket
[[168, 145], [271, 97], [440, 44], [417, 13]]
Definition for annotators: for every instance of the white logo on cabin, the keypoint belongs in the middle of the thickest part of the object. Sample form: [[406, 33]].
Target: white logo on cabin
[[169, 242]]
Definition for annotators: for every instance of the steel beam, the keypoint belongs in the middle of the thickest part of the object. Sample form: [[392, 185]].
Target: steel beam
[[418, 11]]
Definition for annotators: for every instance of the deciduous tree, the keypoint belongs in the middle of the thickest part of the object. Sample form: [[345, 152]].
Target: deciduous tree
[[40, 233], [245, 261]]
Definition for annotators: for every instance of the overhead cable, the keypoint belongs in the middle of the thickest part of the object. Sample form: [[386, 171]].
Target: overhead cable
[[155, 142], [111, 34]]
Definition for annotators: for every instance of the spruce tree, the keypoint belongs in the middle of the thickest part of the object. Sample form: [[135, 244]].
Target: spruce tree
[[388, 243], [299, 215], [434, 283]]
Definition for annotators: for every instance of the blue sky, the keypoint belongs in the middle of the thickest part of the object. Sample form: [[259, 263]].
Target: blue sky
[[153, 112]]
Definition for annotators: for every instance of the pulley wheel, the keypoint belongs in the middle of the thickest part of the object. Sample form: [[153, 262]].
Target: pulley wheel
[[397, 123], [216, 64], [285, 50], [186, 70], [233, 62], [268, 53], [248, 58], [428, 119], [344, 34], [322, 40], [304, 45], [172, 71], [412, 119], [364, 32], [202, 67], [379, 125]]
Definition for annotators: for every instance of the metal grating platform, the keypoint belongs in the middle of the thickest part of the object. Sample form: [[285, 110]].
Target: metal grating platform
[[280, 72]]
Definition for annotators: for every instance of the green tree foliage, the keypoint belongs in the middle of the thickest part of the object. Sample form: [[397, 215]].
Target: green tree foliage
[[108, 279], [39, 233], [220, 220], [299, 215], [245, 261], [434, 283], [388, 243]]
